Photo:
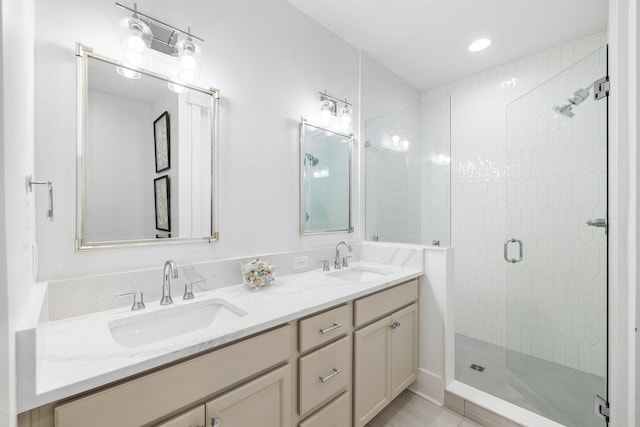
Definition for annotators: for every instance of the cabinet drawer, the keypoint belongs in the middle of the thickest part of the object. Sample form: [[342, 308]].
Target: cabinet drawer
[[380, 304], [154, 395], [324, 327], [324, 374], [335, 414]]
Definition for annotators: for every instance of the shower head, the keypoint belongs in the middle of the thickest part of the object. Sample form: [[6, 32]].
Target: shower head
[[575, 99], [313, 160]]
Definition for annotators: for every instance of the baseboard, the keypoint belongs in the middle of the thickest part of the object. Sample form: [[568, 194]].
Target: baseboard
[[429, 386]]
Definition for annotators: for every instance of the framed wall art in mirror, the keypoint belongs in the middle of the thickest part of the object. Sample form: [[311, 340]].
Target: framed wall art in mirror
[[162, 142], [325, 180], [125, 138], [162, 201]]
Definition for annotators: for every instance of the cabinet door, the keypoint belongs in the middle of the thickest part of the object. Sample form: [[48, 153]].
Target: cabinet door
[[404, 348], [371, 376], [263, 402], [335, 414], [192, 418]]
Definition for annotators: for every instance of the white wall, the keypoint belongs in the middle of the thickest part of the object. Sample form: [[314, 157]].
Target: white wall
[[120, 169], [382, 92], [268, 60], [16, 207], [478, 142]]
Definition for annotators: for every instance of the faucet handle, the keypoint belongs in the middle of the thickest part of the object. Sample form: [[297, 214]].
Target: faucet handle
[[325, 265], [345, 263], [188, 289], [138, 299]]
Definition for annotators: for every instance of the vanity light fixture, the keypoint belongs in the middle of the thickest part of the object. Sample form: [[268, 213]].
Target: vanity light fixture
[[141, 33], [329, 109], [480, 44]]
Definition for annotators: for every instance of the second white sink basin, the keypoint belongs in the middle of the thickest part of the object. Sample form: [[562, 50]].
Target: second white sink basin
[[145, 328], [359, 274]]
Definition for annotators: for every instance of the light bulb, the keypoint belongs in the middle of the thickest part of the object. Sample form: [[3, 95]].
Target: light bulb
[[174, 87], [188, 62], [326, 111], [130, 74], [346, 118], [135, 42], [395, 139], [405, 145]]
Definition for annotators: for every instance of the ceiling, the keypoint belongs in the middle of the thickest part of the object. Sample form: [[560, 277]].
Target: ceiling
[[425, 41]]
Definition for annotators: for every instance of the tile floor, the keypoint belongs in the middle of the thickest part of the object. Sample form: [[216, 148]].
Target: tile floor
[[410, 410]]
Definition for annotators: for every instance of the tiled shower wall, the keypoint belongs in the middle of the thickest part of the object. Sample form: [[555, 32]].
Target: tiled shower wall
[[478, 185]]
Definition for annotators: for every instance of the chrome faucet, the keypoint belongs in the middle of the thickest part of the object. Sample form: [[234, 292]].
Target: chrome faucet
[[337, 264], [170, 272]]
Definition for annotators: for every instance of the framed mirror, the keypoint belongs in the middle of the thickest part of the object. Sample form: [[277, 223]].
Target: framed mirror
[[325, 180], [146, 157]]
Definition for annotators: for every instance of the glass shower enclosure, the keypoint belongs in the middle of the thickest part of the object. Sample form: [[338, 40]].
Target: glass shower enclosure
[[407, 175], [556, 243]]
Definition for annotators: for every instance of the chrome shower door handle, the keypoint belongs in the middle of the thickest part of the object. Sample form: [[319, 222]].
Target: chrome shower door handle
[[506, 250]]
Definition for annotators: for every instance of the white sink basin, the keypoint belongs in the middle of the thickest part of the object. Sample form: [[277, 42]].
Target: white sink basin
[[145, 328], [359, 274]]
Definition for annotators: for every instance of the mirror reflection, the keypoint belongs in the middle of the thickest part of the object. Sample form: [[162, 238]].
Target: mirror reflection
[[325, 180], [146, 156]]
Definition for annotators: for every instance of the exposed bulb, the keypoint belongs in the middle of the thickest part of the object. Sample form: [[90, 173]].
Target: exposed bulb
[[130, 74], [187, 58], [395, 139], [135, 42], [346, 118], [326, 111], [174, 87]]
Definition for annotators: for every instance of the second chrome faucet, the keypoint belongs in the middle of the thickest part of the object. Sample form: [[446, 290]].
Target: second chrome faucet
[[170, 272], [337, 264]]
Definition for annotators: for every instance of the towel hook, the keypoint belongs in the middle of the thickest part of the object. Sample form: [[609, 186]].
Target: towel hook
[[29, 185]]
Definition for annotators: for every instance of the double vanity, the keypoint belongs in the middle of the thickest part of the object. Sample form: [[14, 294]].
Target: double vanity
[[320, 348]]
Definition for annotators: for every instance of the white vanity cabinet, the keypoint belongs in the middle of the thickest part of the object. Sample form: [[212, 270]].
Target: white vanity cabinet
[[334, 368], [325, 371], [385, 350], [187, 384]]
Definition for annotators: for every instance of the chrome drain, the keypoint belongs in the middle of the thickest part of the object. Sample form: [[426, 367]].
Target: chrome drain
[[477, 367]]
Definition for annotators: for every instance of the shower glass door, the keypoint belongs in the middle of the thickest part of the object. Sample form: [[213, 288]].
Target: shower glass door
[[556, 246]]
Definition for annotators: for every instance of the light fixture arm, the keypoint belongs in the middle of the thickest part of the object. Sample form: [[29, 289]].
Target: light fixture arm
[[324, 96], [138, 14]]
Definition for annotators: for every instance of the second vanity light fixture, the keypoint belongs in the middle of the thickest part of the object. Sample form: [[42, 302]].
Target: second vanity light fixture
[[329, 109], [140, 33]]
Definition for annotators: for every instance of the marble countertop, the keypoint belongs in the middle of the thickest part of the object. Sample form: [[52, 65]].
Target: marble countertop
[[78, 354]]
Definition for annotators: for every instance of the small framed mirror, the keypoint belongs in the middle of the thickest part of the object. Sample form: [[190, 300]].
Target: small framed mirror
[[146, 157], [325, 180]]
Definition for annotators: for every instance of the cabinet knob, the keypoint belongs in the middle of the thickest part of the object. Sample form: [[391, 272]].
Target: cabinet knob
[[216, 422], [394, 325]]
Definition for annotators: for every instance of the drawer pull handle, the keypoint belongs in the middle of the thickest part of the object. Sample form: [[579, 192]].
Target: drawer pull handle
[[331, 328], [328, 377]]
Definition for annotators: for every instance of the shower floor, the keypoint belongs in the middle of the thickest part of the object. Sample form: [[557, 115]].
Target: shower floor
[[567, 388]]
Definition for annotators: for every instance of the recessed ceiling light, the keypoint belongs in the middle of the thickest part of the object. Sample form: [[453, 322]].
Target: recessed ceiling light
[[479, 45]]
